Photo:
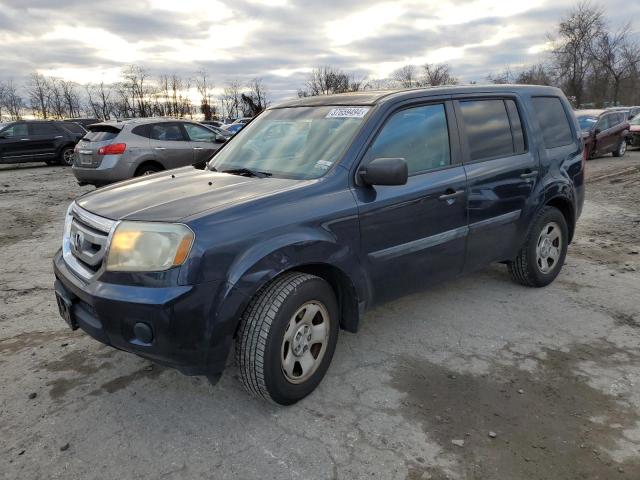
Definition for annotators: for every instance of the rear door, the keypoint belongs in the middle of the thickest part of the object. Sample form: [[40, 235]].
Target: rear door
[[45, 138], [501, 175], [14, 143], [605, 135], [170, 145], [203, 142], [413, 235]]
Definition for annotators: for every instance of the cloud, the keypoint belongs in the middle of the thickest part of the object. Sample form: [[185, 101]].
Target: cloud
[[278, 40]]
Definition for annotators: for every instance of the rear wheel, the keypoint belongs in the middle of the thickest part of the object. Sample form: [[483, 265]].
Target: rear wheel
[[621, 150], [66, 156], [147, 169], [287, 337], [540, 259]]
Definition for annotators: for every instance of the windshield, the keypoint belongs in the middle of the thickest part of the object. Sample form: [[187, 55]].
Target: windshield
[[299, 142], [587, 123]]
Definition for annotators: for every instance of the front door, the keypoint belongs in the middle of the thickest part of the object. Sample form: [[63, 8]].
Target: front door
[[44, 137], [14, 143], [501, 174], [203, 142], [413, 235], [170, 145]]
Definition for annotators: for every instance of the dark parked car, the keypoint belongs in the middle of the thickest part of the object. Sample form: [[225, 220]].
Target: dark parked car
[[213, 123], [218, 131], [114, 151], [277, 248], [46, 141], [603, 131]]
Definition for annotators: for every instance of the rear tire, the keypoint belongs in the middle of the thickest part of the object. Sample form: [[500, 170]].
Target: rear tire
[[540, 259], [148, 169], [66, 156], [287, 337], [621, 149]]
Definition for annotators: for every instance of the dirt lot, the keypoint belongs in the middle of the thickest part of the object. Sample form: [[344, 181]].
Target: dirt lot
[[553, 373]]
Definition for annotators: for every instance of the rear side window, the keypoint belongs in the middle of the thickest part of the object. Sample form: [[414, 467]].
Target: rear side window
[[553, 121], [101, 133], [73, 127], [142, 131], [419, 135], [488, 128], [167, 132], [43, 128]]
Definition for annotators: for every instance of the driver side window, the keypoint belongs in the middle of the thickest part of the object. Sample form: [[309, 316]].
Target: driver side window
[[419, 135]]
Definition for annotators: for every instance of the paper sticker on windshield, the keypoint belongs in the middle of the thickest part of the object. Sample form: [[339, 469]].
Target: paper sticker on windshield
[[323, 164], [347, 112]]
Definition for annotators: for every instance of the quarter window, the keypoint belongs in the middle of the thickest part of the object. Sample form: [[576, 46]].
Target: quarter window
[[419, 135], [553, 121]]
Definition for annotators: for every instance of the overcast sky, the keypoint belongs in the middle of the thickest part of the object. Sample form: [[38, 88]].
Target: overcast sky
[[278, 40]]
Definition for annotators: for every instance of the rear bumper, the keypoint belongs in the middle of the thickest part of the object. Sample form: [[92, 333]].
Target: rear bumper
[[113, 168], [188, 332]]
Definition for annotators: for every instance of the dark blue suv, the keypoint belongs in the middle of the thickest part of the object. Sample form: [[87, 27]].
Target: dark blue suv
[[317, 210]]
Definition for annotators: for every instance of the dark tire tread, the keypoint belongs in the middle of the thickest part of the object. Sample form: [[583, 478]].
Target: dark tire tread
[[255, 326], [522, 267]]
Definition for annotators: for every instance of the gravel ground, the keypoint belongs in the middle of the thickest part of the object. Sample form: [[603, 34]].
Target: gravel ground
[[476, 379]]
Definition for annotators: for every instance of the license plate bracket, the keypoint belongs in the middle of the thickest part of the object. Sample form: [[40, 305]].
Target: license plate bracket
[[64, 300]]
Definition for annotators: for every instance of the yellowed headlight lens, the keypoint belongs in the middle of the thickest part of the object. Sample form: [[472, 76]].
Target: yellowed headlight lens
[[149, 246]]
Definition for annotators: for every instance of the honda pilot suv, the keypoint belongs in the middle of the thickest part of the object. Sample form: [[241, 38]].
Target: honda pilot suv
[[277, 245]]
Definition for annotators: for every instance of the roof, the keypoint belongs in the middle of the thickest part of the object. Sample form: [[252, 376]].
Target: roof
[[375, 97], [119, 124]]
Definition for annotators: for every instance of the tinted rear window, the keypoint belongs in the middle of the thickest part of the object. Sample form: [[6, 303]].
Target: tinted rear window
[[43, 128], [553, 121], [488, 130], [73, 127], [101, 133]]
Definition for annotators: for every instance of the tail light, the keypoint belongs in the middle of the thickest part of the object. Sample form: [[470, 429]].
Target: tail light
[[113, 149]]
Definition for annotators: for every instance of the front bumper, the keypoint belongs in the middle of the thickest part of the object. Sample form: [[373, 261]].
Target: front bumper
[[189, 332]]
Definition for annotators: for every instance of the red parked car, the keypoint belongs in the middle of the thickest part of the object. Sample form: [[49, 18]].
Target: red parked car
[[603, 131]]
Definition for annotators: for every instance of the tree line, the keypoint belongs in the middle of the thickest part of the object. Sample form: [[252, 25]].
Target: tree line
[[137, 94], [594, 64]]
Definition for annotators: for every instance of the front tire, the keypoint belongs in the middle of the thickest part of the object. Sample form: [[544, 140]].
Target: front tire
[[540, 259], [287, 338]]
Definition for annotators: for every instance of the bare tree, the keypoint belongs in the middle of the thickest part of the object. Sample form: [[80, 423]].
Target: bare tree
[[256, 99], [71, 98], [618, 55], [501, 78], [12, 101], [136, 91], [328, 80], [406, 76], [38, 91], [231, 99], [438, 74], [537, 74], [573, 45], [205, 90]]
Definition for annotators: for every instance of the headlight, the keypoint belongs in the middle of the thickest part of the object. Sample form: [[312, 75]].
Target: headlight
[[148, 246]]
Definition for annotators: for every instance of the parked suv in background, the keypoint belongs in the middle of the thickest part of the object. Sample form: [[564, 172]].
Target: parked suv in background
[[276, 246], [48, 141], [114, 151], [604, 131]]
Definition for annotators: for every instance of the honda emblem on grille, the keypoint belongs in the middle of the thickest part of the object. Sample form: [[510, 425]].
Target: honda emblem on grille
[[78, 238]]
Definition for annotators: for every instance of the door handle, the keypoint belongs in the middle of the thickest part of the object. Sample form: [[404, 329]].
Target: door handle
[[25, 139], [159, 148], [529, 174], [198, 148], [450, 195], [58, 136]]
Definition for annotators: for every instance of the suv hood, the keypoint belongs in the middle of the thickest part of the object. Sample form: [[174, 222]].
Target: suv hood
[[173, 195]]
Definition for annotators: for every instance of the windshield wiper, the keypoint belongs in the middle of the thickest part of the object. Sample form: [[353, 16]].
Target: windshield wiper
[[247, 172]]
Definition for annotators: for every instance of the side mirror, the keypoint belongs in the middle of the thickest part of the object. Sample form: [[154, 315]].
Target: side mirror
[[220, 139], [385, 171], [597, 131]]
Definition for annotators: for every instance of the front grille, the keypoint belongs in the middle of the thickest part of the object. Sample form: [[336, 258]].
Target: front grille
[[86, 241]]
